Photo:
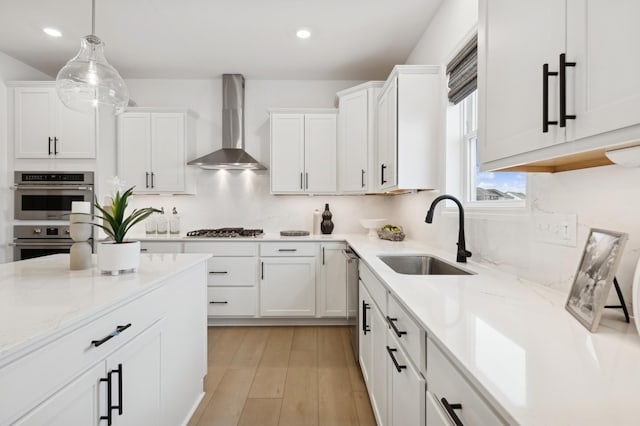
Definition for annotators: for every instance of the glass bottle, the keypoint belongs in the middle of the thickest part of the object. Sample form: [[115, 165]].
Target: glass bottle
[[150, 225], [174, 223], [161, 222]]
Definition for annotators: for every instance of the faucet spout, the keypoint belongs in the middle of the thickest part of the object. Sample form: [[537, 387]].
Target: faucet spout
[[463, 253]]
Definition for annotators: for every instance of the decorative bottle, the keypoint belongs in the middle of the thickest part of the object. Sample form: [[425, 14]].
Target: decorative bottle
[[174, 223], [161, 222], [317, 218], [150, 225], [327, 225]]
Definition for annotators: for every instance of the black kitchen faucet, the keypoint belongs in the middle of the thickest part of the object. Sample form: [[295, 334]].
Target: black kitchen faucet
[[463, 253]]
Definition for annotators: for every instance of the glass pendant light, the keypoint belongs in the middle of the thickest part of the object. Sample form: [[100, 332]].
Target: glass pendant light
[[88, 81]]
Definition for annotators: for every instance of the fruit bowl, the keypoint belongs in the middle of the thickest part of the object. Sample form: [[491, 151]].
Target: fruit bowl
[[372, 225]]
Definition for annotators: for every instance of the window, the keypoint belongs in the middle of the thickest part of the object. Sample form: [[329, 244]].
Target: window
[[480, 186]]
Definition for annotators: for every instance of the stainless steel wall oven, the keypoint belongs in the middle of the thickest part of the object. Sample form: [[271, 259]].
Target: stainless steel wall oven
[[48, 195]]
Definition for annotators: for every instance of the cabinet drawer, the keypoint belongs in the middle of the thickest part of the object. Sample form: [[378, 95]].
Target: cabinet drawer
[[160, 247], [27, 381], [376, 288], [232, 301], [445, 381], [232, 271], [288, 249], [406, 395], [223, 248], [408, 333]]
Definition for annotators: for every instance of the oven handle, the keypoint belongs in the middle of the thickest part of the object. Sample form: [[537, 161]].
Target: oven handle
[[54, 187], [43, 244]]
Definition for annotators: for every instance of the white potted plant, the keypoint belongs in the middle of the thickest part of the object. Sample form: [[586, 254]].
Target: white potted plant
[[117, 254]]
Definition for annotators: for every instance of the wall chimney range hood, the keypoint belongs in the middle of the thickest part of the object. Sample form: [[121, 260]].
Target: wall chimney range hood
[[232, 156]]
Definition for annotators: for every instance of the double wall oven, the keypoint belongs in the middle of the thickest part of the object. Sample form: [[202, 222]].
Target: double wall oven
[[44, 199]]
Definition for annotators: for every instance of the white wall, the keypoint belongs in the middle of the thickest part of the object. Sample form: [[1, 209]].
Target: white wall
[[604, 197], [10, 69], [242, 198]]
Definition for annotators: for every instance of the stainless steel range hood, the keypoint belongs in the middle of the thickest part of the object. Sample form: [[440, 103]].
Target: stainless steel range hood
[[232, 156]]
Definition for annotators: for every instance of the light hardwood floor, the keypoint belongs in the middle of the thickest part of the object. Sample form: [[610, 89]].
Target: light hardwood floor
[[295, 376]]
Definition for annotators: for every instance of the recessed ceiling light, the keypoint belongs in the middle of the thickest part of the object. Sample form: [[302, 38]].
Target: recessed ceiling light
[[303, 34], [52, 32]]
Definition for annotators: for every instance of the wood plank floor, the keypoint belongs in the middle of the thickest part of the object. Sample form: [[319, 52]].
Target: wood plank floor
[[297, 376]]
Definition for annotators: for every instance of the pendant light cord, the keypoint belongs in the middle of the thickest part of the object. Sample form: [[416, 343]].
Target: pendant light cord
[[93, 17]]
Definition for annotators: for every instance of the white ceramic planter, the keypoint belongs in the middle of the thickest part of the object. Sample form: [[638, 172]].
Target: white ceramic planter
[[116, 258]]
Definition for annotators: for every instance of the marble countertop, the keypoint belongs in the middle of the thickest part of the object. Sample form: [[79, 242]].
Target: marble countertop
[[518, 345], [41, 298]]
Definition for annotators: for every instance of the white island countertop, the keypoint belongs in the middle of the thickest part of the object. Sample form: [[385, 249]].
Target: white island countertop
[[517, 344], [41, 298]]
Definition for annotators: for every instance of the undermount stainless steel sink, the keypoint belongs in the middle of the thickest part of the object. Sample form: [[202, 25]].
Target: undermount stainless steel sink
[[422, 265]]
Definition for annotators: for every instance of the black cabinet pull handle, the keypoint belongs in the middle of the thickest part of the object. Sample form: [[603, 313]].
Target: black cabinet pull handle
[[563, 90], [395, 361], [323, 255], [301, 184], [50, 154], [120, 379], [108, 417], [382, 169], [306, 178], [146, 181], [218, 272], [153, 175], [545, 98], [365, 327], [287, 249], [55, 146], [262, 270], [391, 322], [215, 302], [119, 329], [451, 411], [362, 177]]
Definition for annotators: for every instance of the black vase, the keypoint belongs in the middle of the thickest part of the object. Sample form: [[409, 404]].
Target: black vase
[[326, 227]]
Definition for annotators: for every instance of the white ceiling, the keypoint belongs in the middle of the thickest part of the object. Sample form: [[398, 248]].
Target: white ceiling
[[351, 39]]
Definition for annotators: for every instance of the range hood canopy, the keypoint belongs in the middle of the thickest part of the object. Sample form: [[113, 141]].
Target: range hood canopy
[[232, 156]]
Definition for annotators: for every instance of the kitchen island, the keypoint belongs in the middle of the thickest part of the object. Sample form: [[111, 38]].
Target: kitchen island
[[72, 343]]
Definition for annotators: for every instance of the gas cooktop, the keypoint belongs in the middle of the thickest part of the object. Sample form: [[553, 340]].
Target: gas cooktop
[[225, 233]]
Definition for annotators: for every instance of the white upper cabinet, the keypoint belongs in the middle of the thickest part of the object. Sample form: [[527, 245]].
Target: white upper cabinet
[[303, 151], [356, 138], [44, 128], [411, 119], [153, 148], [589, 96]]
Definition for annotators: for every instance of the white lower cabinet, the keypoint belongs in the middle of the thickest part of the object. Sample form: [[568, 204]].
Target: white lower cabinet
[[232, 301], [160, 247], [435, 414], [78, 403], [406, 387], [332, 281], [288, 287], [452, 396]]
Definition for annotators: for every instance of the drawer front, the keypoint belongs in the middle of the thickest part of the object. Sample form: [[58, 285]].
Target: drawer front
[[445, 381], [376, 289], [407, 387], [223, 248], [232, 301], [288, 249], [409, 334], [232, 271], [160, 247], [27, 381]]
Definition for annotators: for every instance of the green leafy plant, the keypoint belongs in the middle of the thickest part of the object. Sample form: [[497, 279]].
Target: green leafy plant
[[114, 222]]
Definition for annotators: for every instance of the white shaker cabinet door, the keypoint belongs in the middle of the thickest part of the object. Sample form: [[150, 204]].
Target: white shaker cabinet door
[[388, 136], [168, 160], [288, 287], [515, 39], [602, 39], [81, 402], [34, 122], [287, 153], [353, 132], [320, 153], [134, 150], [75, 135], [332, 287], [380, 363]]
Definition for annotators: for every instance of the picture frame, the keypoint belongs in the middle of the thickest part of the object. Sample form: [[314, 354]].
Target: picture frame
[[594, 277]]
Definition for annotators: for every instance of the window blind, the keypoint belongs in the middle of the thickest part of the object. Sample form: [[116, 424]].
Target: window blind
[[463, 72]]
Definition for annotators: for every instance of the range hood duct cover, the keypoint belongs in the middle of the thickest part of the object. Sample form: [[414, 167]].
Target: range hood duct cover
[[232, 156]]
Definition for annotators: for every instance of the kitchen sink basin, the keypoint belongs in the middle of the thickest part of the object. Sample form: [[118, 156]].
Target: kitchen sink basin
[[422, 265]]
